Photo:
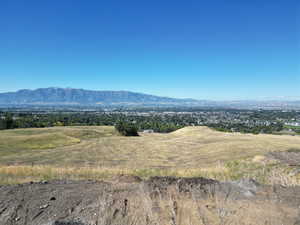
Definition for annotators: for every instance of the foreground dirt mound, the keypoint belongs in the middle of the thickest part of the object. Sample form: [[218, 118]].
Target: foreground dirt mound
[[48, 203], [182, 184], [159, 200]]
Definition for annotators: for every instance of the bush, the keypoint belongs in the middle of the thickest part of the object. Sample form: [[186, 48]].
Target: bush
[[126, 129]]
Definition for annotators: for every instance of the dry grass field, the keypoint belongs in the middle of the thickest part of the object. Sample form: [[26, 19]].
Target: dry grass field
[[190, 147], [99, 152]]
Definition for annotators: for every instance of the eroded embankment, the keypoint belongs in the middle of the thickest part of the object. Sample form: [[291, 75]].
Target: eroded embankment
[[159, 200]]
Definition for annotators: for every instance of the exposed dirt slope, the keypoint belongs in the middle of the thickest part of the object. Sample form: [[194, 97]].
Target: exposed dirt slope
[[160, 200]]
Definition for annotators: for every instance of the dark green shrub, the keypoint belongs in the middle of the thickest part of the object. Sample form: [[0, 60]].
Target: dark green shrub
[[126, 129]]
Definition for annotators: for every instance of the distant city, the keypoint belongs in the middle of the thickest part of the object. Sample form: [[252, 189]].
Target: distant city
[[70, 97]]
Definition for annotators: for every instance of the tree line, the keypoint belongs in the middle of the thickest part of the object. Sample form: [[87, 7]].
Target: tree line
[[21, 120], [162, 123]]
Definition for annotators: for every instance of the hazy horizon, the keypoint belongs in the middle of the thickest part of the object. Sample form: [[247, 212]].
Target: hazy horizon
[[275, 98]]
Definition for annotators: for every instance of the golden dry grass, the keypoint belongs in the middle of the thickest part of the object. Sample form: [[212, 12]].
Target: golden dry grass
[[268, 174], [99, 152], [190, 147], [18, 141], [177, 208], [21, 174]]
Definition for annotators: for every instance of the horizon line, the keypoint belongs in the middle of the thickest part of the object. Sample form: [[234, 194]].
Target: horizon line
[[260, 99]]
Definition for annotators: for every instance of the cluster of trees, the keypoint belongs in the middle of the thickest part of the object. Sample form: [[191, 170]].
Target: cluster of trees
[[126, 129], [272, 115], [30, 120], [231, 127], [6, 122]]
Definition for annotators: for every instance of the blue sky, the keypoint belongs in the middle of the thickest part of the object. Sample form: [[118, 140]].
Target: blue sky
[[203, 49]]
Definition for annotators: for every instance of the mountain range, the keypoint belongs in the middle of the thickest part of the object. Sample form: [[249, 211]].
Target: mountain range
[[81, 97], [71, 96]]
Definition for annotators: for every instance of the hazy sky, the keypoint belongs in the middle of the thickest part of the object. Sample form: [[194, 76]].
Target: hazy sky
[[204, 49]]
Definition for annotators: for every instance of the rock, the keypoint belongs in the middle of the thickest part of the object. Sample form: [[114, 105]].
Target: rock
[[245, 188], [44, 206], [247, 184]]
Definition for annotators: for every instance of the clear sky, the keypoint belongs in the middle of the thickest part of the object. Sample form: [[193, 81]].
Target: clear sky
[[203, 49]]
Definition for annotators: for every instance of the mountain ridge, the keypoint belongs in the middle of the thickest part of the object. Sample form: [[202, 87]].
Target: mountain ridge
[[55, 95]]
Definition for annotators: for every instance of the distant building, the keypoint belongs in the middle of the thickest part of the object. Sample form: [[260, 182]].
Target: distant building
[[148, 131], [296, 124]]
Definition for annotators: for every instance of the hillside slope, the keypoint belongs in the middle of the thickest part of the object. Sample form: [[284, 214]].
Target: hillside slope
[[100, 146]]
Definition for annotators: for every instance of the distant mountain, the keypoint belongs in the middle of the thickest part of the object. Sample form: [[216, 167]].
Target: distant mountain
[[70, 96], [80, 97]]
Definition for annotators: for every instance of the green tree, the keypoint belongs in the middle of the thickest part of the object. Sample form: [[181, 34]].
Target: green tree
[[2, 124], [9, 121], [126, 129]]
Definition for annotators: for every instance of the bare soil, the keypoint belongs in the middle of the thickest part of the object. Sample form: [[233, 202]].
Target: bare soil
[[290, 157], [65, 202]]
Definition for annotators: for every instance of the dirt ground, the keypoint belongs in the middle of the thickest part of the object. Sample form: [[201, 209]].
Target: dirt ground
[[159, 200], [290, 157]]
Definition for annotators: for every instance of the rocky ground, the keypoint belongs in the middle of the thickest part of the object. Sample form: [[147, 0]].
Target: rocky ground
[[129, 200]]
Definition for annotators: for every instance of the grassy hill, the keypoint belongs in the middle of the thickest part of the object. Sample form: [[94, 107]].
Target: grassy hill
[[97, 147], [101, 146]]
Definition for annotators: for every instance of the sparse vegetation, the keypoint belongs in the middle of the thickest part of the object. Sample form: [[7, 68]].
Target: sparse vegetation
[[176, 208], [265, 173]]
